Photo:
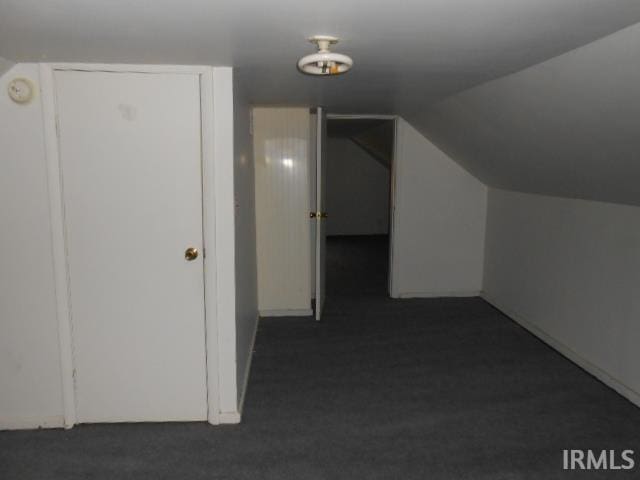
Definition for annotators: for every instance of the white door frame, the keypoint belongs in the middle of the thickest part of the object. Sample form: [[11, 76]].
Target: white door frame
[[320, 163], [392, 194], [350, 116], [216, 232]]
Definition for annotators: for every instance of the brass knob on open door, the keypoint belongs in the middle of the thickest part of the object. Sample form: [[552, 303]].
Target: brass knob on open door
[[191, 254]]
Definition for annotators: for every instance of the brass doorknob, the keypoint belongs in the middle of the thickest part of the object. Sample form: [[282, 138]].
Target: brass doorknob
[[191, 254]]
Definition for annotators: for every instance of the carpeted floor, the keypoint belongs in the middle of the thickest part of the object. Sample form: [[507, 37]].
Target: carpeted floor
[[381, 389]]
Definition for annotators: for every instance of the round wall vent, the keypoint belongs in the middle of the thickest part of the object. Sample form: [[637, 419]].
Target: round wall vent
[[324, 62]]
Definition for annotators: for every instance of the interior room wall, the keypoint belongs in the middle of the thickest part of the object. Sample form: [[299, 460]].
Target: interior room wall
[[282, 147], [569, 270], [439, 221], [30, 381], [245, 228], [357, 190]]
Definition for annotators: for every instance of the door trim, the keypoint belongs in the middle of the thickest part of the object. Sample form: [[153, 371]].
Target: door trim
[[319, 299], [393, 291], [213, 204], [349, 116]]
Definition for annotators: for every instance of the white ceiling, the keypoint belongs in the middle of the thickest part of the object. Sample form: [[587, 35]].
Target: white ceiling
[[407, 53], [568, 127], [565, 127]]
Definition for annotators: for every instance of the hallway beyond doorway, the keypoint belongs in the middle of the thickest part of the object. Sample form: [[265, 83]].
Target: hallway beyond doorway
[[357, 265]]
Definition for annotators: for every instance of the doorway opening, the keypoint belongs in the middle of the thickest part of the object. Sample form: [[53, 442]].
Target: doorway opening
[[359, 154], [309, 184]]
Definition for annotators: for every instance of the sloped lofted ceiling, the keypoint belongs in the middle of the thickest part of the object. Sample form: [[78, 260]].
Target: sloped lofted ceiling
[[569, 126], [409, 56], [374, 136]]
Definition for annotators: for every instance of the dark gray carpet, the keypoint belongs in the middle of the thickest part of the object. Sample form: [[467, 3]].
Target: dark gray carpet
[[382, 389]]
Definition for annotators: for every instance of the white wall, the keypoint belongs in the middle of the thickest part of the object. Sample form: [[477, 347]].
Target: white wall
[[439, 221], [30, 381], [570, 271], [245, 228], [565, 127], [282, 154], [357, 190]]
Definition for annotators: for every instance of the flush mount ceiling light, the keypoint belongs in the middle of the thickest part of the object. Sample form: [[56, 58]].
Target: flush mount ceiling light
[[324, 62]]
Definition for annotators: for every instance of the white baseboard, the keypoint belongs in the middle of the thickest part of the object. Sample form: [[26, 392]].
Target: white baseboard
[[474, 293], [612, 382], [29, 423], [304, 312], [229, 418], [245, 383]]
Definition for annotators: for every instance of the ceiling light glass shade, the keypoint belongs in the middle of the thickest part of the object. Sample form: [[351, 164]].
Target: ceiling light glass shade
[[325, 63]]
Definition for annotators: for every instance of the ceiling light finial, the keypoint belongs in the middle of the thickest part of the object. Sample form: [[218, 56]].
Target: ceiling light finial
[[324, 62]]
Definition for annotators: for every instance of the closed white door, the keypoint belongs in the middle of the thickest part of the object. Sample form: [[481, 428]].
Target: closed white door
[[130, 155]]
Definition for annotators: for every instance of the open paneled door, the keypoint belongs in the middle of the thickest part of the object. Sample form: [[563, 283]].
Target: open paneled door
[[320, 213]]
